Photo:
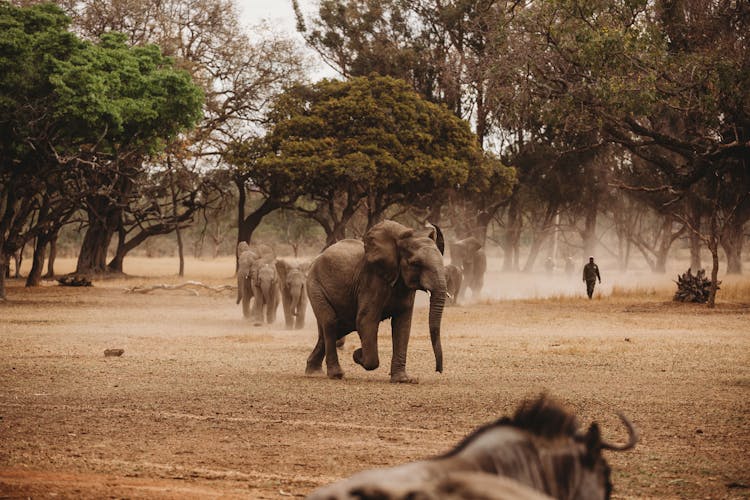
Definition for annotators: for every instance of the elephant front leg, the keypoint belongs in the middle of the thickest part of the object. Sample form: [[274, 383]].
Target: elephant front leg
[[286, 302], [367, 355], [400, 331], [333, 368]]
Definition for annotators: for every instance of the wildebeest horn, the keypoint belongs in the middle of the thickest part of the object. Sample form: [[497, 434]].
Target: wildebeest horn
[[632, 433]]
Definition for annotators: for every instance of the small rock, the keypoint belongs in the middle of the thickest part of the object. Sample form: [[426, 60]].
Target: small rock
[[699, 431], [113, 352], [627, 339]]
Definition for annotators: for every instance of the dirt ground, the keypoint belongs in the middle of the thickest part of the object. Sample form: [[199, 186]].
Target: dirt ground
[[204, 405]]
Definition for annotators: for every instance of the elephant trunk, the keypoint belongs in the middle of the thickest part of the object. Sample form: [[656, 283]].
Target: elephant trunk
[[437, 302], [296, 293], [265, 287]]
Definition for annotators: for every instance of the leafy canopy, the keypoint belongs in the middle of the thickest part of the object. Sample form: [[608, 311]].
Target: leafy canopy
[[373, 135], [57, 90]]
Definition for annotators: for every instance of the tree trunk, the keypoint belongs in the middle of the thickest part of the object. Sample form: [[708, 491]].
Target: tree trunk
[[662, 250], [541, 232], [731, 241], [337, 233], [589, 229], [695, 237], [180, 249], [4, 268], [181, 252], [115, 265], [103, 222], [52, 256], [37, 264], [512, 236], [250, 223], [713, 246], [93, 256], [536, 246], [18, 259]]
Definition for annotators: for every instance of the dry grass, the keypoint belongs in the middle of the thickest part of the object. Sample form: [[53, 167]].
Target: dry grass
[[204, 405]]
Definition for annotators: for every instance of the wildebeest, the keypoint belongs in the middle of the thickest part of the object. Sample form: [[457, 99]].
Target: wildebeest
[[538, 452]]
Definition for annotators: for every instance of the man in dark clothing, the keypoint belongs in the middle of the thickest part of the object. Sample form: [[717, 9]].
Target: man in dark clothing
[[590, 275]]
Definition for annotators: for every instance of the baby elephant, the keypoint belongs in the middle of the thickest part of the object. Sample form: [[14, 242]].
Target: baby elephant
[[265, 282], [292, 277]]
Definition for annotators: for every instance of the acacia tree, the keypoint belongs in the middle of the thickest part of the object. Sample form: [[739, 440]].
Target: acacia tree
[[444, 50], [366, 144]]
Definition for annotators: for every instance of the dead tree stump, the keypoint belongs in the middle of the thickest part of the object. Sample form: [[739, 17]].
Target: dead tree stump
[[693, 287]]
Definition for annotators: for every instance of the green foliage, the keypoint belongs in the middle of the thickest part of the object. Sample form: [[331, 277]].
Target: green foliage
[[370, 132], [133, 93], [72, 113], [86, 92]]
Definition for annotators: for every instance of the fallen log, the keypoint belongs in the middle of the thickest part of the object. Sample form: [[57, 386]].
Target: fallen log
[[74, 280], [188, 286]]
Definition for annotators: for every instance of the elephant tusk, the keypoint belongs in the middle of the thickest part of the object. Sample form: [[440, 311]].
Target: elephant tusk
[[450, 295]]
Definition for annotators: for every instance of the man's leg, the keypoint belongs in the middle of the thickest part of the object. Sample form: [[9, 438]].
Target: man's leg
[[590, 288]]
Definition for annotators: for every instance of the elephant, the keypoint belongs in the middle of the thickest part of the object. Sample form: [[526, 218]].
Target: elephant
[[245, 260], [354, 285], [468, 255], [265, 283], [247, 256], [292, 279], [453, 279]]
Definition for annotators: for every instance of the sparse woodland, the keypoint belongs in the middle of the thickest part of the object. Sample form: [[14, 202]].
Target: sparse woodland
[[612, 127]]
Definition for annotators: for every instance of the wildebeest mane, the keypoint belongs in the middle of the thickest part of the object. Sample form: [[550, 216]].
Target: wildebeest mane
[[541, 416]]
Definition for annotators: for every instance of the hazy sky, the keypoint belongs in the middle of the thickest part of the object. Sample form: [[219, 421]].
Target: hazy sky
[[278, 13], [280, 16]]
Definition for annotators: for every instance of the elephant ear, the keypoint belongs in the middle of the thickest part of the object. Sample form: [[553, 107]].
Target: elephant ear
[[436, 235], [381, 248], [304, 265]]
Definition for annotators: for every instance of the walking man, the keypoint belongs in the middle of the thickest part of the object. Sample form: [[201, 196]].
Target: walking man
[[590, 275]]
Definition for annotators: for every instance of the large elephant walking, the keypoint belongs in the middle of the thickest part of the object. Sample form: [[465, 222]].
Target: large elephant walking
[[354, 286], [469, 256], [293, 291]]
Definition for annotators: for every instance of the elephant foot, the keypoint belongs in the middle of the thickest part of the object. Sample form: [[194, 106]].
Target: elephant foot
[[258, 323], [312, 371], [368, 365], [340, 343], [403, 378], [335, 373]]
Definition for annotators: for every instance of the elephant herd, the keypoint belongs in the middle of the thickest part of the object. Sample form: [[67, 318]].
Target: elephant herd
[[268, 280], [353, 285]]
